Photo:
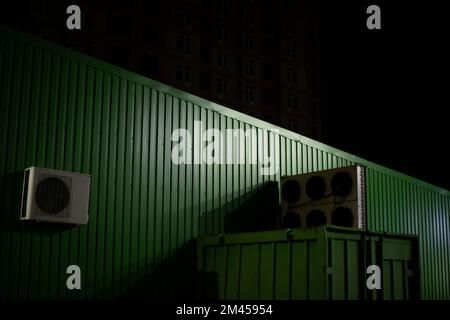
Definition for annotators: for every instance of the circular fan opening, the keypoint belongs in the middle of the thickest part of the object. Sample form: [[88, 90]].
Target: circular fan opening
[[52, 195]]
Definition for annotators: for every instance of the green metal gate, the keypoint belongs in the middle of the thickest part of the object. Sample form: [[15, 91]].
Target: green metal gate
[[307, 264]]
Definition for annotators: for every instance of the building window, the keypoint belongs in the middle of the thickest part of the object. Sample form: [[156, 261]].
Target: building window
[[204, 81], [183, 45], [221, 34], [292, 76], [267, 97], [249, 43], [221, 87], [250, 18], [291, 50], [249, 68], [291, 5], [149, 64], [291, 29], [249, 93], [220, 7], [184, 19], [221, 60], [292, 101], [182, 74]]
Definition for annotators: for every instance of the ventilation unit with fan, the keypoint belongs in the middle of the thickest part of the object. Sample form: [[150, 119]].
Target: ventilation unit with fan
[[55, 196], [336, 197]]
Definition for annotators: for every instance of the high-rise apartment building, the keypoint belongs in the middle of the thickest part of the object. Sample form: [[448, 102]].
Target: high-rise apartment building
[[259, 57]]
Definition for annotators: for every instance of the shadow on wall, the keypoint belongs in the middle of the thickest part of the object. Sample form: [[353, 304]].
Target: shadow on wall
[[247, 210], [179, 277], [173, 279], [260, 212], [10, 194]]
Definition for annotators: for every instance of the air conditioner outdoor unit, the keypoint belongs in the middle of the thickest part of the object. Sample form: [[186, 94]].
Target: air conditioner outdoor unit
[[335, 197], [55, 196]]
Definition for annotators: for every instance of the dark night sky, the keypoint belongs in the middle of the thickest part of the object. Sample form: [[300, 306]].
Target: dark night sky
[[386, 92]]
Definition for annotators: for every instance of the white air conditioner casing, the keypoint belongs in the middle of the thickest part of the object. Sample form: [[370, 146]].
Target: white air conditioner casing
[[55, 196], [294, 199]]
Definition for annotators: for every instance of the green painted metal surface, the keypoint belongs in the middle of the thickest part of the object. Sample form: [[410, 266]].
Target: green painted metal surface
[[307, 264], [64, 110]]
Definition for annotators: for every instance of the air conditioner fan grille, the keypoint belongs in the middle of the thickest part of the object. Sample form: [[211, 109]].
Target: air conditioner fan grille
[[52, 195]]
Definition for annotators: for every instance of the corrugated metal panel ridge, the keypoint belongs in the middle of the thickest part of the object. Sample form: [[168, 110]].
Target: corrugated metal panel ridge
[[112, 69], [116, 125]]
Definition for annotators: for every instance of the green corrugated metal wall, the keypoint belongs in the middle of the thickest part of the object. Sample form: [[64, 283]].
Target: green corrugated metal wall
[[64, 110]]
